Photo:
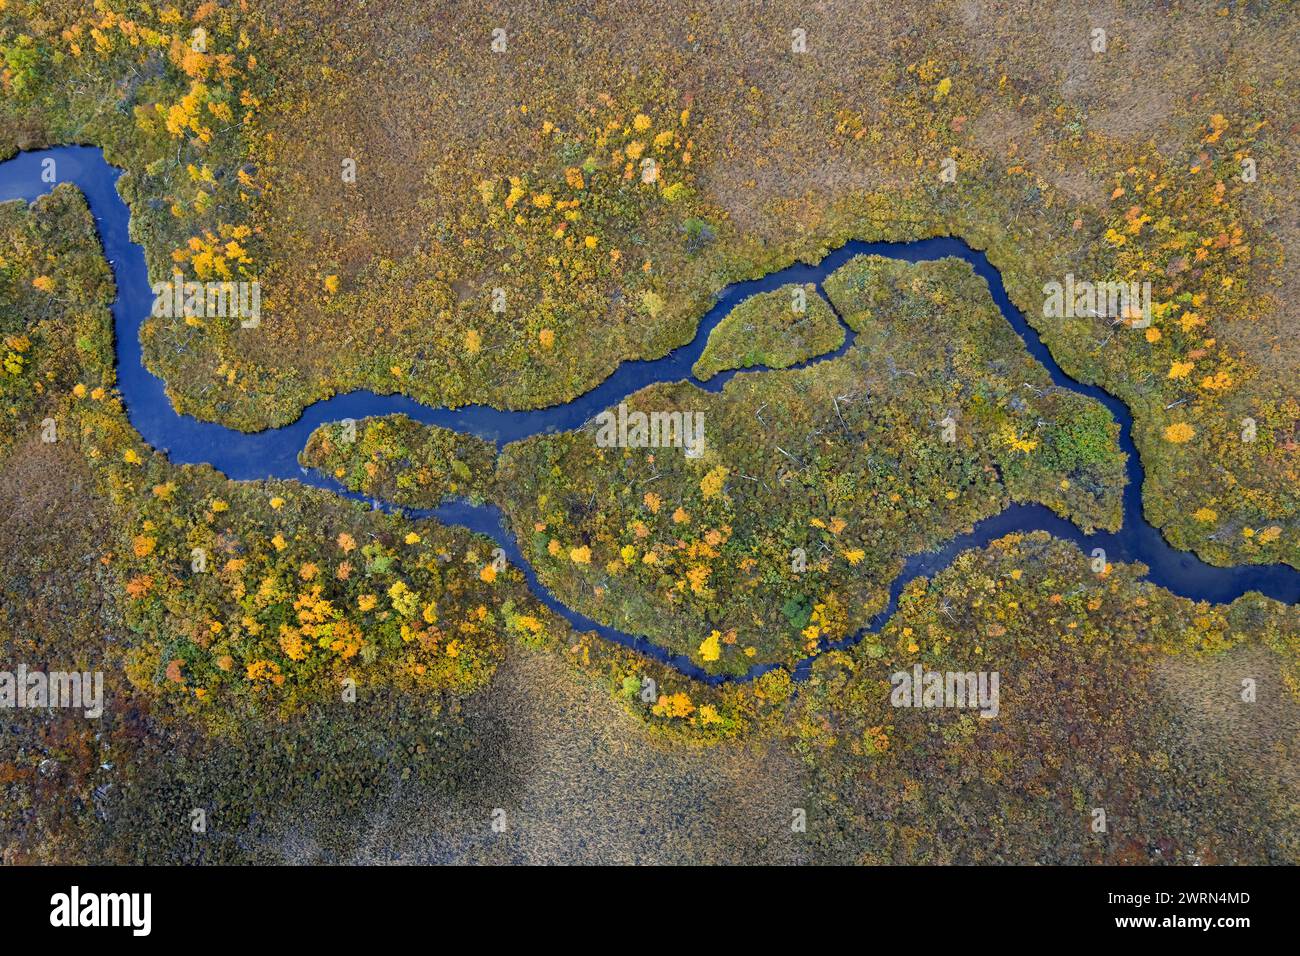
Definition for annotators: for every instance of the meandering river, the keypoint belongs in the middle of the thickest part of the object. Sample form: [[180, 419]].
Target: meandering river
[[273, 453]]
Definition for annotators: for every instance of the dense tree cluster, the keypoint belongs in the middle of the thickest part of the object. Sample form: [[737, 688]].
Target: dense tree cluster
[[814, 484], [775, 329], [396, 459]]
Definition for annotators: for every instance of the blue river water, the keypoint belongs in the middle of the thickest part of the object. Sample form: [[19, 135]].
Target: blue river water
[[273, 453]]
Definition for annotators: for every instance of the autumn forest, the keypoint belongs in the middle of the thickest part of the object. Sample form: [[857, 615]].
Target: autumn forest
[[367, 578]]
